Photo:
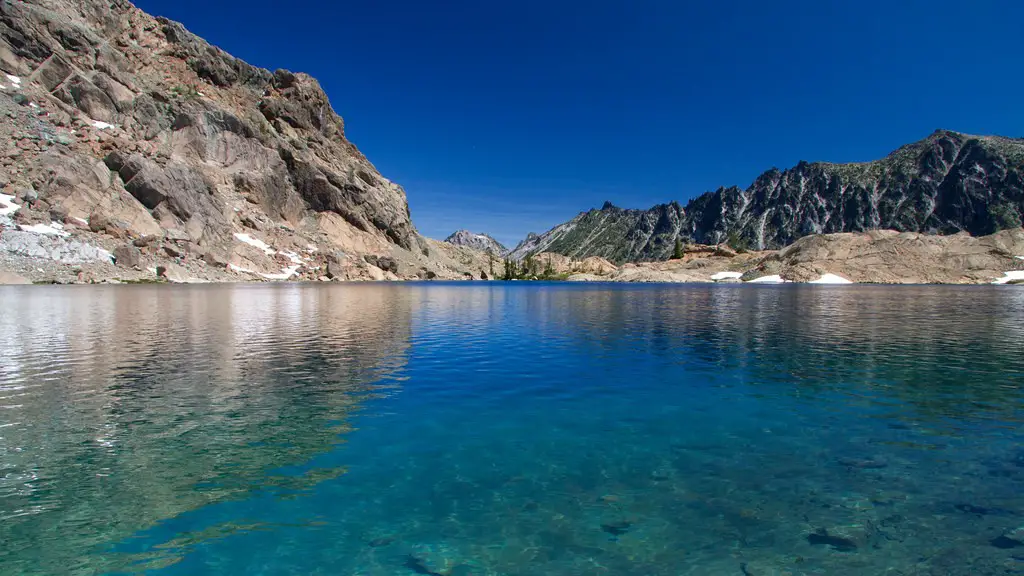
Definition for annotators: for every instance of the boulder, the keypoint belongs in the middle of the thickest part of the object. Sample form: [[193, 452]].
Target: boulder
[[58, 213], [385, 263], [127, 256], [99, 222], [172, 273], [216, 258]]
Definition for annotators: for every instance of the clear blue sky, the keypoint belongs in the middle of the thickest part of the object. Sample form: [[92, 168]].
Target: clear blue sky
[[510, 117]]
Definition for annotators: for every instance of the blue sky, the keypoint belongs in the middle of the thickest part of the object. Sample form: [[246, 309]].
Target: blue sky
[[510, 117]]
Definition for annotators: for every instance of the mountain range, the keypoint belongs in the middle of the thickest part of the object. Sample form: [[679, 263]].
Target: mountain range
[[481, 242], [946, 183]]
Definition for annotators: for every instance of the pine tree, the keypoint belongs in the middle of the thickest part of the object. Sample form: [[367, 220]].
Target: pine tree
[[677, 254]]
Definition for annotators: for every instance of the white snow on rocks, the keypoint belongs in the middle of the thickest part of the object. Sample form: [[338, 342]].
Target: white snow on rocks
[[14, 80], [727, 276], [291, 256], [773, 279], [285, 274], [1011, 276], [101, 125], [7, 205], [53, 228], [51, 246], [255, 242], [831, 279]]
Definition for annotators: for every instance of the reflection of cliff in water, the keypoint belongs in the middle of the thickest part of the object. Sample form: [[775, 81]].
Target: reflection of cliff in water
[[949, 351], [122, 407]]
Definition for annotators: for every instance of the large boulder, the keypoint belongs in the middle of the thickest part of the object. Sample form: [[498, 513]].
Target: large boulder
[[127, 256]]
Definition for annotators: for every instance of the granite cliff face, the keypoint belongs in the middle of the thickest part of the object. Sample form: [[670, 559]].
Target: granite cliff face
[[129, 133], [481, 242], [944, 184]]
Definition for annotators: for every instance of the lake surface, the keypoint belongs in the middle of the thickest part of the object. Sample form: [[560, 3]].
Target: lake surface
[[511, 429]]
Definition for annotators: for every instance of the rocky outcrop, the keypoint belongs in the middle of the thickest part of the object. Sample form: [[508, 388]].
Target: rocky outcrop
[[879, 256], [122, 127], [481, 242], [890, 257], [945, 184]]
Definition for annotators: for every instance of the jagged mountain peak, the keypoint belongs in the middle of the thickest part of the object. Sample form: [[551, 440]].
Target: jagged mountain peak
[[477, 241], [944, 183]]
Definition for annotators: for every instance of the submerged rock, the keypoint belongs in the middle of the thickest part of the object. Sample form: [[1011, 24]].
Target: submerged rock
[[617, 528], [380, 542], [838, 543], [863, 463], [1012, 539]]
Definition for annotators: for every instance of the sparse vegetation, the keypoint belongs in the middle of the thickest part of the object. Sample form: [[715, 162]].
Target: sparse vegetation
[[186, 92], [738, 243], [677, 252]]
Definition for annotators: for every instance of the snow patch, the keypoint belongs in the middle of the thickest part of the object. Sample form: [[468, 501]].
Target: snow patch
[[727, 276], [831, 279], [285, 274], [256, 242], [1011, 276], [82, 221], [234, 268], [33, 105], [291, 256], [1018, 257], [54, 229], [773, 279], [311, 248], [101, 125], [7, 205], [14, 80]]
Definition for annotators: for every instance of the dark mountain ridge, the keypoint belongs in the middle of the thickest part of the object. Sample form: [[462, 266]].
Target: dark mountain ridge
[[946, 183]]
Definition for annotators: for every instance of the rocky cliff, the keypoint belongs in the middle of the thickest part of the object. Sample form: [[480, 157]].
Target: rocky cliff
[[481, 242], [129, 134], [947, 183]]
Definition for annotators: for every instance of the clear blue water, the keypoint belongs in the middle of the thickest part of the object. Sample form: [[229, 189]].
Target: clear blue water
[[511, 429]]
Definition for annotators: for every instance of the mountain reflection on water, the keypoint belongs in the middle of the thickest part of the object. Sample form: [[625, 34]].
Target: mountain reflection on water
[[510, 429]]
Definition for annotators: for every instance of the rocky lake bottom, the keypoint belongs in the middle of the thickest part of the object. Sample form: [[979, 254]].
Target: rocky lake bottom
[[512, 429]]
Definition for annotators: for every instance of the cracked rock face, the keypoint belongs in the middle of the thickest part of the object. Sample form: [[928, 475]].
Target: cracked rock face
[[135, 120], [947, 183]]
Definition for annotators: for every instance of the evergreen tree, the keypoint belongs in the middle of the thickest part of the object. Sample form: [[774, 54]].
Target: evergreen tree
[[678, 252]]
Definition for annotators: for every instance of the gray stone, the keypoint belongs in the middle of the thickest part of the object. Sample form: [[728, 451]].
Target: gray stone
[[58, 213], [385, 263], [216, 258], [127, 256], [172, 273], [28, 195], [99, 222]]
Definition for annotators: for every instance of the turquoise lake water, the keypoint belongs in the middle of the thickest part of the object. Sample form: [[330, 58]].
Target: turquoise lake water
[[511, 429]]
